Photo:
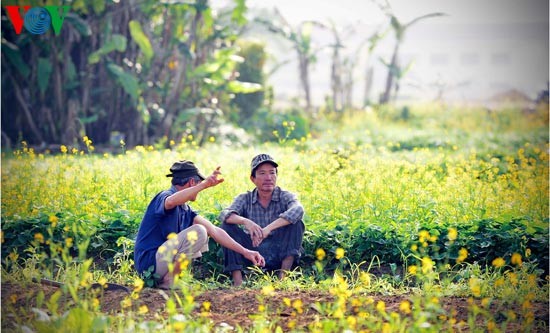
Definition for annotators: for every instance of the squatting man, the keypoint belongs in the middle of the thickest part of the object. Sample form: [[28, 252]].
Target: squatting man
[[171, 231]]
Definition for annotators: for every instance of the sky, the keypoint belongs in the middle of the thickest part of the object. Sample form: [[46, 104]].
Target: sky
[[477, 50]]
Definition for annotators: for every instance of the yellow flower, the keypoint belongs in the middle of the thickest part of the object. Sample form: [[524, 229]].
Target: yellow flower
[[39, 237], [532, 280], [423, 235], [462, 255], [475, 287], [412, 269], [381, 306], [268, 290], [386, 328], [138, 284], [143, 309], [95, 303], [102, 281], [320, 254], [297, 304], [172, 235], [291, 324], [527, 253], [286, 301], [498, 262], [53, 220], [192, 236], [511, 315], [68, 242], [126, 303], [63, 149], [516, 259], [405, 307], [427, 265], [513, 278], [206, 305], [338, 313], [352, 321], [491, 325], [453, 234], [365, 278], [13, 255], [339, 253], [485, 302]]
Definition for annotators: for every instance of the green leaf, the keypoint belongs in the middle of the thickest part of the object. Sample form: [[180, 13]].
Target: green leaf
[[14, 57], [126, 80], [141, 40], [79, 24], [98, 6], [44, 73], [238, 87], [207, 68], [117, 42], [71, 79], [238, 14]]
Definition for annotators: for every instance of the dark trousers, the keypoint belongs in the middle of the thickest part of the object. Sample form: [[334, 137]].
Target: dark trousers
[[281, 243]]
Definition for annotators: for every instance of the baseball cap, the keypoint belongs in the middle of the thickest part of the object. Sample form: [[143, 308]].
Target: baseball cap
[[260, 159], [184, 169]]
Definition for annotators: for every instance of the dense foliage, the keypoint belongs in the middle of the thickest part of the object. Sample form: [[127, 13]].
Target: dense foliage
[[447, 202], [369, 193]]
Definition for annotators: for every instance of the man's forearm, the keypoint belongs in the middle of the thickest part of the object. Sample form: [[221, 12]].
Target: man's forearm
[[183, 196], [221, 237], [278, 223], [235, 218]]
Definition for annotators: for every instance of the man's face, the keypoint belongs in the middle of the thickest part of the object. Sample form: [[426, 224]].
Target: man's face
[[192, 183], [266, 177]]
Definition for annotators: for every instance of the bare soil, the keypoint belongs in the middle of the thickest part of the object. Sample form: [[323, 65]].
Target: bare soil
[[234, 307]]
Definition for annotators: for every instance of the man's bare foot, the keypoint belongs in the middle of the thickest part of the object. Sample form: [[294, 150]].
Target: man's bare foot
[[286, 265], [237, 277]]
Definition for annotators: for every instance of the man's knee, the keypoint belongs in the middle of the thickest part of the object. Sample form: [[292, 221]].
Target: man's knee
[[197, 234], [232, 230]]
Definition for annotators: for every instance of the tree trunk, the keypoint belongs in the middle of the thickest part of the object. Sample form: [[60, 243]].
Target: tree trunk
[[304, 79], [369, 76], [28, 115], [389, 80]]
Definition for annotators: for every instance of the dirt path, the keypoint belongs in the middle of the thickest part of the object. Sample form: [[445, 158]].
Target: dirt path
[[233, 307]]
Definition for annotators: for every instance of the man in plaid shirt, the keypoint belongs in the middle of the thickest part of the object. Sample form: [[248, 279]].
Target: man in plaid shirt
[[267, 219]]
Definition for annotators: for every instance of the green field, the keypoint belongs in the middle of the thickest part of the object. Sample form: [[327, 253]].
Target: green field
[[442, 202]]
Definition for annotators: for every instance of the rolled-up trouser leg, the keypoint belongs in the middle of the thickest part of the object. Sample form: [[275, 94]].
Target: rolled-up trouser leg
[[291, 237], [191, 242], [281, 243], [232, 260]]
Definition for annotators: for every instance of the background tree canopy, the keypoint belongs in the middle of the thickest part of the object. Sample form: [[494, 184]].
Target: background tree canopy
[[148, 71]]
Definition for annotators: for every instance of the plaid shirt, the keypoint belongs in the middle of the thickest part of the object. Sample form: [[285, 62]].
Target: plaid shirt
[[283, 204]]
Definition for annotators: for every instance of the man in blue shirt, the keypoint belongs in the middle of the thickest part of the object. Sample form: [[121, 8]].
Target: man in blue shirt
[[267, 218], [171, 232]]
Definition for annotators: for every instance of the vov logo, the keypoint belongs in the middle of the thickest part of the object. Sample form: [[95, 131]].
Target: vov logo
[[37, 20]]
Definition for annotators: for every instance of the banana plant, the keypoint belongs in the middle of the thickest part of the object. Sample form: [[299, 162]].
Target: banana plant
[[300, 38], [395, 71]]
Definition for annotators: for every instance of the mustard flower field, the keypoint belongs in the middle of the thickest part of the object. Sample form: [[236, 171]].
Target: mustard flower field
[[437, 222]]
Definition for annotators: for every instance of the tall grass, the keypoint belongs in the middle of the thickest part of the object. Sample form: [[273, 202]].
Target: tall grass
[[443, 197]]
